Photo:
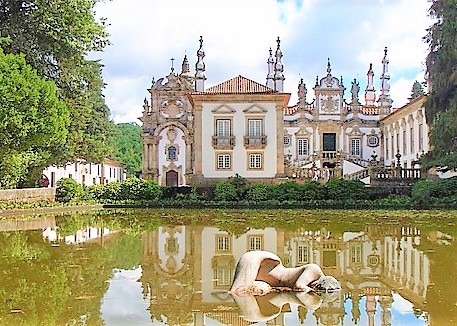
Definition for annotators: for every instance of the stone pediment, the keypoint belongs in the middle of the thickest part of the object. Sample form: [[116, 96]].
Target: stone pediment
[[223, 109], [253, 109], [302, 132]]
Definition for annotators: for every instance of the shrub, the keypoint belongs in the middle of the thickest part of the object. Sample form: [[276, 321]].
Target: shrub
[[152, 190], [240, 184], [258, 192], [311, 190], [69, 190], [421, 192], [225, 191], [425, 191], [112, 191], [339, 188], [289, 190]]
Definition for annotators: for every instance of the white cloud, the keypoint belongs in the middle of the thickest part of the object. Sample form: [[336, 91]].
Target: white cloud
[[237, 34]]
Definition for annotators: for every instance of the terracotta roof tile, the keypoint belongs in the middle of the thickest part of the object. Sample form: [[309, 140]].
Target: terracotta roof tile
[[291, 110], [239, 85]]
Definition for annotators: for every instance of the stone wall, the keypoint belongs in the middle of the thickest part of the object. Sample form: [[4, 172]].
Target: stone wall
[[28, 195]]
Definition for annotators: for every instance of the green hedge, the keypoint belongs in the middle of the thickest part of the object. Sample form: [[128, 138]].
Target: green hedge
[[236, 192]]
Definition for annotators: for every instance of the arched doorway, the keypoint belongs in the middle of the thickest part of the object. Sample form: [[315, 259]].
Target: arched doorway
[[171, 178]]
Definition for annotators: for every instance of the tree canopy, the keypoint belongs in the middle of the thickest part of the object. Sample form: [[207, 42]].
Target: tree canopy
[[128, 148], [55, 38], [441, 74], [33, 121]]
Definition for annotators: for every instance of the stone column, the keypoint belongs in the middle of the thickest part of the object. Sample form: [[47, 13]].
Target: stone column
[[279, 141], [198, 140]]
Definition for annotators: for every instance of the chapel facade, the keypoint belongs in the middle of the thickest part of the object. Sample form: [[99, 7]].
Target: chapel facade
[[194, 134]]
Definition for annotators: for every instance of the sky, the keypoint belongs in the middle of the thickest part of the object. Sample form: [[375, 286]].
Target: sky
[[237, 36]]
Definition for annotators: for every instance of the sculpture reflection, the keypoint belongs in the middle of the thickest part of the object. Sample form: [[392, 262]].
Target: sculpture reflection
[[261, 308], [259, 274]]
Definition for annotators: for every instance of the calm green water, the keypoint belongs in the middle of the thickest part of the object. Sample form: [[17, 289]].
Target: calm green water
[[174, 267]]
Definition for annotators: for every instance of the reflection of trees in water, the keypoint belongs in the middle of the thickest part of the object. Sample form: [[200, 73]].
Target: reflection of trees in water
[[442, 295], [57, 285]]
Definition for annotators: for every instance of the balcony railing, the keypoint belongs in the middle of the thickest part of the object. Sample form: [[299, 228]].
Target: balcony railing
[[223, 142], [255, 141]]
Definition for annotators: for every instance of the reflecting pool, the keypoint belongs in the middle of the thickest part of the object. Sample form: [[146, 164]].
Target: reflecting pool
[[174, 267]]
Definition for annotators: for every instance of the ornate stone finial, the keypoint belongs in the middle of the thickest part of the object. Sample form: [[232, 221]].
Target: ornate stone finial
[[185, 75], [270, 73], [384, 100], [153, 81], [317, 81], [279, 69], [385, 85], [172, 62], [329, 69], [146, 101], [200, 68], [185, 67]]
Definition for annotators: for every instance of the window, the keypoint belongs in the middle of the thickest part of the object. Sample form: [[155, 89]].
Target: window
[[255, 161], [355, 147], [223, 127], [171, 153], [329, 142], [223, 277], [302, 147], [398, 142], [421, 137], [255, 127], [392, 152], [224, 161], [404, 142], [286, 140], [222, 243], [302, 254], [255, 242], [372, 141], [411, 140], [355, 254]]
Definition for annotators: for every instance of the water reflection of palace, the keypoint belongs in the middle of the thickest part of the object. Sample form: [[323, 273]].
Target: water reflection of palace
[[88, 234], [188, 270]]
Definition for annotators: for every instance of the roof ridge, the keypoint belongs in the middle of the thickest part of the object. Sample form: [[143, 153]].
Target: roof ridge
[[239, 84]]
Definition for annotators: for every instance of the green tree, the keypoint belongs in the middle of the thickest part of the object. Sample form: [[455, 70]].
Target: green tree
[[127, 146], [56, 36], [417, 90], [33, 121], [441, 74]]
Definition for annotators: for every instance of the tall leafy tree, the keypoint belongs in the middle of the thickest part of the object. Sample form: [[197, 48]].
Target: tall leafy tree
[[417, 90], [56, 36], [128, 148], [441, 106], [33, 121]]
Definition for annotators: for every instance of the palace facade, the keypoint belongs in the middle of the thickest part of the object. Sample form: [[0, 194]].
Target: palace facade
[[198, 135]]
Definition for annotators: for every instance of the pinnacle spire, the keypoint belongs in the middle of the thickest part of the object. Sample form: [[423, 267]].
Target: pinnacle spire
[[200, 68], [270, 74], [278, 69]]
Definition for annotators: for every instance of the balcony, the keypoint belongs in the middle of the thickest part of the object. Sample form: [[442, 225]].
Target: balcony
[[255, 142], [223, 142]]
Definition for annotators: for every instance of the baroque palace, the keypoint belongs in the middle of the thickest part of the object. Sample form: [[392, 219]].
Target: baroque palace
[[197, 135]]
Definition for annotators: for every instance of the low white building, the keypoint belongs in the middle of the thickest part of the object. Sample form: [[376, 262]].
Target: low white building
[[87, 174]]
